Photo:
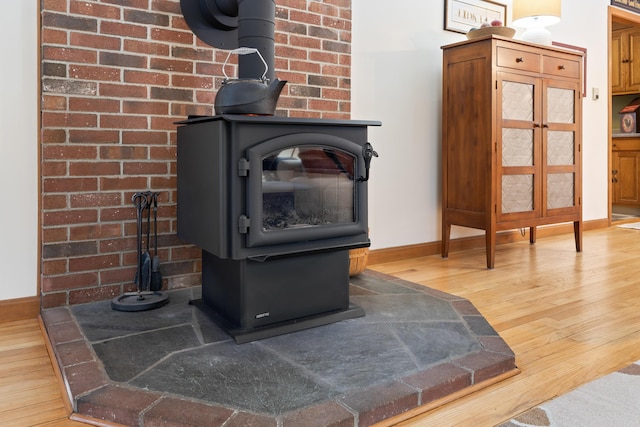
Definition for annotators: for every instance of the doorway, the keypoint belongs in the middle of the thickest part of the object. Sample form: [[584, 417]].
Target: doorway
[[624, 147]]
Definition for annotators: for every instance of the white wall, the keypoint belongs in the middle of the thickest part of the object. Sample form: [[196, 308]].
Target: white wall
[[18, 149], [397, 79]]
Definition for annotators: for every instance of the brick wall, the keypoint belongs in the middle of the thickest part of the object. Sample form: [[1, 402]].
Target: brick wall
[[116, 75]]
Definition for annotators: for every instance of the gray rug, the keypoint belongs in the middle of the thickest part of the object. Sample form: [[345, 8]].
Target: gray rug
[[631, 225], [610, 401]]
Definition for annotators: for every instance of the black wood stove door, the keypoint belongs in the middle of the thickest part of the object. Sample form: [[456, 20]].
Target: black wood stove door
[[303, 187]]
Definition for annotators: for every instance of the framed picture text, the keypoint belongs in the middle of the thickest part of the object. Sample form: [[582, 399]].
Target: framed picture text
[[462, 15], [627, 4]]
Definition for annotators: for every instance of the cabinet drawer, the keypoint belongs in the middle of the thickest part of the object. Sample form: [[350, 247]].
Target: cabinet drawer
[[560, 67], [517, 59], [626, 144]]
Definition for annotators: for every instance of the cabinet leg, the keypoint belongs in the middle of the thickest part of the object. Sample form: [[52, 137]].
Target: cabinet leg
[[490, 237], [532, 235], [446, 233], [577, 231]]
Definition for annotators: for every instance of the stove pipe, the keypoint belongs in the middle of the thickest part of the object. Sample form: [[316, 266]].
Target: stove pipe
[[256, 28], [228, 24]]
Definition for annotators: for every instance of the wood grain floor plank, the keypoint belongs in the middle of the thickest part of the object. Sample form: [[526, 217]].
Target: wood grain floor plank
[[30, 393], [34, 415], [569, 317]]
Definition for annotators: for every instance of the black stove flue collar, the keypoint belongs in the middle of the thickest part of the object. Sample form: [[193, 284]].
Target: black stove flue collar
[[215, 22], [229, 24]]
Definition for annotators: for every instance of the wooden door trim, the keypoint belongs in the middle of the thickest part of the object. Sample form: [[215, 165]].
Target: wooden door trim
[[616, 14]]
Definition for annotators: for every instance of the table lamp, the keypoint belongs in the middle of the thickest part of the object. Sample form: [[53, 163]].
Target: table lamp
[[535, 16]]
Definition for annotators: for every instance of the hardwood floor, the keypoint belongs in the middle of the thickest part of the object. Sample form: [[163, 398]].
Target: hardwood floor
[[570, 318], [30, 393]]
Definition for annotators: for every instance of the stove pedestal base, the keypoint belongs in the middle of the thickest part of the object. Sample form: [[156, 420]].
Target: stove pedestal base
[[253, 300], [244, 336]]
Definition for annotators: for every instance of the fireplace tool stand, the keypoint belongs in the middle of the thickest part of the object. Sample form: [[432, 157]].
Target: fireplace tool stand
[[146, 297]]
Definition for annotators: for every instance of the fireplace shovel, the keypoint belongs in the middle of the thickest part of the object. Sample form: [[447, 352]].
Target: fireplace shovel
[[156, 275], [144, 298], [142, 201]]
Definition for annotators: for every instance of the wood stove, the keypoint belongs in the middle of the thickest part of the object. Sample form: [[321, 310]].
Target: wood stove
[[275, 204]]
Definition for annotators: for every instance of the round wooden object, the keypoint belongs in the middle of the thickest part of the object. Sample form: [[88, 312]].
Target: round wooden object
[[358, 260], [485, 31]]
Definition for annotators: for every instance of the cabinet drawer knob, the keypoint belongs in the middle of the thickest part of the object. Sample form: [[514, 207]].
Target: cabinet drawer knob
[[561, 67], [520, 59]]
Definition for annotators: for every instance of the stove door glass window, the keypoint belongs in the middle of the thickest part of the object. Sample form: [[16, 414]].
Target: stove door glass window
[[307, 186], [308, 189]]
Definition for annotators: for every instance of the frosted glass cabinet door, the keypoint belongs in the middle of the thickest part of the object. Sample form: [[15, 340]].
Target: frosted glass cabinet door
[[561, 149], [517, 189], [517, 101], [560, 105], [560, 190], [517, 147], [517, 193]]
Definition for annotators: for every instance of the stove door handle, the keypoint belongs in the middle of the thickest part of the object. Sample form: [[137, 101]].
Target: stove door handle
[[367, 153]]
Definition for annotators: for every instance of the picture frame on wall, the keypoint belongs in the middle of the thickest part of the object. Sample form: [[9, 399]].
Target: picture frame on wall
[[460, 16], [633, 5]]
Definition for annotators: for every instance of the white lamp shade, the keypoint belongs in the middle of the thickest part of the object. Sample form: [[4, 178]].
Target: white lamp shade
[[536, 13]]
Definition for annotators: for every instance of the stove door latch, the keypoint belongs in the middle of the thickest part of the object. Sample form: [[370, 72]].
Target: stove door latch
[[368, 153], [243, 167], [243, 224]]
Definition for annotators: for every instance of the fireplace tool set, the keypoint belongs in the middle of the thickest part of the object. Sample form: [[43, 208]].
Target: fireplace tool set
[[148, 278]]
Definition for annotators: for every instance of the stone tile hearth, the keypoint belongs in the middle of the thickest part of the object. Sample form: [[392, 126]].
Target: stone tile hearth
[[175, 366]]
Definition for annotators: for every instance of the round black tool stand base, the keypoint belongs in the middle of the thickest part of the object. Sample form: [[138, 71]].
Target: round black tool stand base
[[139, 301]]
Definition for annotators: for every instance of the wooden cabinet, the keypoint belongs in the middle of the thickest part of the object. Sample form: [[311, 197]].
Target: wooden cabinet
[[511, 138], [625, 173], [625, 63]]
